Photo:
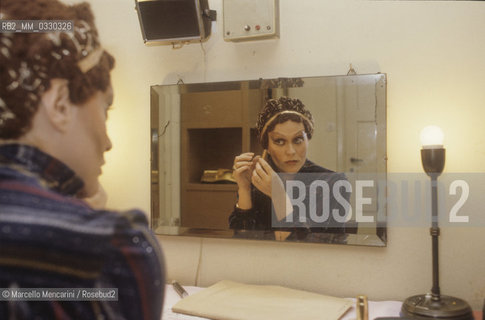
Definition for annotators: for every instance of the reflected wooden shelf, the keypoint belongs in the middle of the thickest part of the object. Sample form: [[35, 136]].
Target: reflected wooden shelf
[[232, 187]]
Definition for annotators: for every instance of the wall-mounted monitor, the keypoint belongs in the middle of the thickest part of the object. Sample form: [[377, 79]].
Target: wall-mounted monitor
[[174, 21]]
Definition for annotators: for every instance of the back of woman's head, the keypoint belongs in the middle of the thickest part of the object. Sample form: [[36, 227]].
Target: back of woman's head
[[28, 61]]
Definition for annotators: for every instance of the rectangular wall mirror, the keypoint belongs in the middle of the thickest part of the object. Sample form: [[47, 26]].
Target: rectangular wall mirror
[[201, 127]]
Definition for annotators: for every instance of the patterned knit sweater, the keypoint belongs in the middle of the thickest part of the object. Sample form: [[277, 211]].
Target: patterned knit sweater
[[50, 239]]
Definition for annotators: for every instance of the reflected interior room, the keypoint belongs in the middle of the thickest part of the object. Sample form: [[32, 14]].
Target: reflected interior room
[[218, 122], [373, 74]]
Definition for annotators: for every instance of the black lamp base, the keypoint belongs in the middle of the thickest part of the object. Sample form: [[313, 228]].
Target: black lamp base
[[422, 307]]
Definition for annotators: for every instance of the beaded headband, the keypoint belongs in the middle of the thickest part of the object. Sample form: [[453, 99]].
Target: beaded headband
[[263, 131], [30, 74], [91, 60]]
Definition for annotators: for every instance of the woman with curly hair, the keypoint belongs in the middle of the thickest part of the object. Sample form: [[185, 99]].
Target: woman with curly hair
[[55, 93], [285, 127]]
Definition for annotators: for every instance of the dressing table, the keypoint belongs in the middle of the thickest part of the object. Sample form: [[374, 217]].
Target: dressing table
[[376, 308]]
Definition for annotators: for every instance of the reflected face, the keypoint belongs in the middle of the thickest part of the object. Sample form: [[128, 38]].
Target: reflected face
[[287, 145], [91, 139]]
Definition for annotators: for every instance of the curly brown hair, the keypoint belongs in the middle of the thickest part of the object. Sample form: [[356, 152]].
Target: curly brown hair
[[28, 61], [274, 112]]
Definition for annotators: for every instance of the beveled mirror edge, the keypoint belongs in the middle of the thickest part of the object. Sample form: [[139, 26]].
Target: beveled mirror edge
[[374, 240], [379, 239]]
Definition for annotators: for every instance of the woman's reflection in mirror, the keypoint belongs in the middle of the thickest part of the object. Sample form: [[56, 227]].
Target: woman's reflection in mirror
[[264, 209]]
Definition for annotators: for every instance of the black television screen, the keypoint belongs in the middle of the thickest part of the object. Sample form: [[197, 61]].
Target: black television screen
[[165, 20]]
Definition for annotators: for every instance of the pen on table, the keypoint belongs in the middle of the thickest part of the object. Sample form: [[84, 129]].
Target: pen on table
[[179, 289]]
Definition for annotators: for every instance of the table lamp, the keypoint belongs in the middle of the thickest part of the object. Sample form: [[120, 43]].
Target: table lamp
[[434, 305]]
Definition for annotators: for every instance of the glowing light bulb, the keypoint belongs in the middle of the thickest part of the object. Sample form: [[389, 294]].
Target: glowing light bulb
[[432, 137]]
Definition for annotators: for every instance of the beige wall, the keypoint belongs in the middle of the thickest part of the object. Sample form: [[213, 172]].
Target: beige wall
[[433, 53]]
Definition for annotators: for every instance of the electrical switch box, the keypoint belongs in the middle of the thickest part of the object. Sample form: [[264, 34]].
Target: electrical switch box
[[250, 19]]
